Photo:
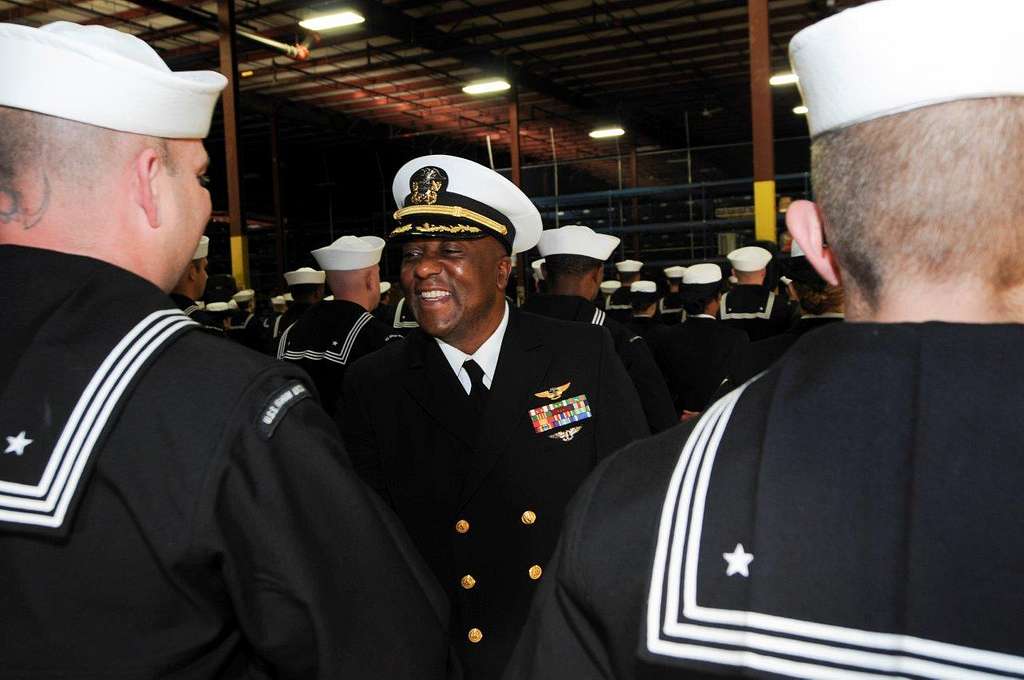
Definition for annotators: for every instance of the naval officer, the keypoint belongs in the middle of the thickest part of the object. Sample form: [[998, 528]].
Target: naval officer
[[502, 412], [332, 334], [836, 518], [574, 258], [750, 306], [171, 505]]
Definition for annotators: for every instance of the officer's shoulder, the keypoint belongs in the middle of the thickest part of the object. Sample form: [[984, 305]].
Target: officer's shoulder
[[559, 328]]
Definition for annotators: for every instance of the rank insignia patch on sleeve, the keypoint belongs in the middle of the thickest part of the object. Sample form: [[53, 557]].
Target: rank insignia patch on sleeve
[[278, 405], [560, 413]]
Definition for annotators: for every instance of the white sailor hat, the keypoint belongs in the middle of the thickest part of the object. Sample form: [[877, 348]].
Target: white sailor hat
[[232, 305], [244, 295], [733, 280], [645, 287], [538, 273], [288, 297], [304, 275], [385, 286], [277, 300], [455, 198], [629, 266], [892, 56], [218, 308], [676, 272], [203, 249], [103, 77], [575, 239], [609, 287], [749, 258], [329, 298], [795, 250], [349, 253], [702, 274]]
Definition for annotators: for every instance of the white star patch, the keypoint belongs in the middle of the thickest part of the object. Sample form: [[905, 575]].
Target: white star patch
[[17, 444], [738, 561]]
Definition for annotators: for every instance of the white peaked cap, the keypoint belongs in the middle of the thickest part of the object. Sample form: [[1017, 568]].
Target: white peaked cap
[[699, 274], [575, 239], [609, 287], [244, 295], [203, 249], [538, 273], [349, 253], [676, 272], [304, 275], [892, 56], [795, 250], [481, 184], [749, 259], [643, 287], [629, 266], [385, 286], [218, 307], [103, 77]]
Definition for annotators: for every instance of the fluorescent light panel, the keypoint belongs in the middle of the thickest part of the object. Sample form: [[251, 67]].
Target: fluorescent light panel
[[487, 86], [800, 110], [602, 133], [325, 22], [780, 79]]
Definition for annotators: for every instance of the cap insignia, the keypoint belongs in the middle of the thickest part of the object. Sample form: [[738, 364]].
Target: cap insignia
[[426, 183]]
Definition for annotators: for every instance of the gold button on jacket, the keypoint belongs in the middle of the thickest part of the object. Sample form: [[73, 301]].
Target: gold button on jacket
[[535, 572], [468, 581], [462, 526], [529, 517], [475, 635]]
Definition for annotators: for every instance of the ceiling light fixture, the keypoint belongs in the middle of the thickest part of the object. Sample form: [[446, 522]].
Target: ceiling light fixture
[[800, 110], [325, 22], [487, 86], [603, 133], [780, 79]]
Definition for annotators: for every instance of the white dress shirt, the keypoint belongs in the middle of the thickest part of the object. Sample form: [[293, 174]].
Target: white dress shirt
[[486, 356]]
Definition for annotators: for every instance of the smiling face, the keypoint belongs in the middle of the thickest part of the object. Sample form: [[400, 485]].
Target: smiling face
[[456, 288]]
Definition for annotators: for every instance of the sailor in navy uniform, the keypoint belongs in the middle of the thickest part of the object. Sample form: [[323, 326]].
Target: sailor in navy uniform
[[171, 505], [702, 357], [643, 301], [478, 426], [821, 304], [839, 517], [750, 306], [574, 258], [670, 306], [306, 288], [192, 285], [333, 333], [243, 325], [608, 288], [618, 306], [385, 311]]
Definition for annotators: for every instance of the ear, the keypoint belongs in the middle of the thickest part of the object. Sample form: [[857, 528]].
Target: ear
[[145, 169], [803, 219], [504, 271]]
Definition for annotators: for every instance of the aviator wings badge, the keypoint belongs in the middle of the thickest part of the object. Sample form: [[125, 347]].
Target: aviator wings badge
[[553, 393], [566, 435]]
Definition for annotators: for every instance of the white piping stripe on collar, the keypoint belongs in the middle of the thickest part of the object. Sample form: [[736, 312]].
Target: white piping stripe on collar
[[87, 421], [283, 342], [190, 310], [679, 544], [618, 307], [337, 357], [398, 323], [598, 319], [766, 314]]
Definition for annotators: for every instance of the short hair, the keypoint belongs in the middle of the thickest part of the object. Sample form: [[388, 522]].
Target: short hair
[[303, 291], [570, 266], [934, 192]]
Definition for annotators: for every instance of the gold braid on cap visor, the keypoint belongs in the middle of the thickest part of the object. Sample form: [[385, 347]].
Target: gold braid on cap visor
[[449, 211]]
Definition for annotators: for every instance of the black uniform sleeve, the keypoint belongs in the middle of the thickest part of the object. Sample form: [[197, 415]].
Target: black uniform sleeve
[[357, 430], [323, 579], [623, 421], [561, 639], [650, 384]]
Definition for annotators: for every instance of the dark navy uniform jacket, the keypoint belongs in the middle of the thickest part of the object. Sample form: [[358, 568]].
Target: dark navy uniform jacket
[[618, 307], [327, 339], [839, 517], [766, 352], [190, 309], [756, 311], [632, 349], [483, 496], [215, 529]]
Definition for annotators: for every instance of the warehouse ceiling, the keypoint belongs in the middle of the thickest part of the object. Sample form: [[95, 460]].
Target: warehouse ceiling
[[667, 72]]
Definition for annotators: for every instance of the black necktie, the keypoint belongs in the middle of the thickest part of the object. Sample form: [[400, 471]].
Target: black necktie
[[478, 392]]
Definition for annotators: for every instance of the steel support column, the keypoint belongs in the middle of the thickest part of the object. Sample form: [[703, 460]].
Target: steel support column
[[229, 100], [761, 117]]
